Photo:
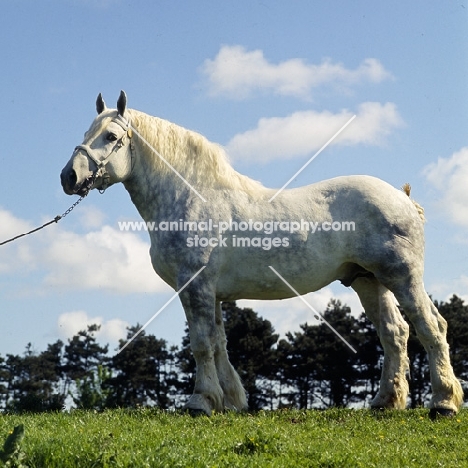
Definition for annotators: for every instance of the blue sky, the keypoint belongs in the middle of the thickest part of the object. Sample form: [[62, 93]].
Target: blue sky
[[269, 80]]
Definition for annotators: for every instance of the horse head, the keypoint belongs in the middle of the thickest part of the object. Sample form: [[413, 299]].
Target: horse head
[[105, 156]]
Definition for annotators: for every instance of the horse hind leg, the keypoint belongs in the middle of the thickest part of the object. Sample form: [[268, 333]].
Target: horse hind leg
[[431, 329], [393, 331], [234, 393]]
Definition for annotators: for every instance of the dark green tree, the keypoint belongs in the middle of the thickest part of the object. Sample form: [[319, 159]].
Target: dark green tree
[[297, 367], [419, 378], [143, 373], [91, 391], [336, 363], [456, 313], [4, 382], [34, 380], [83, 367], [322, 370], [369, 359], [186, 367], [250, 342]]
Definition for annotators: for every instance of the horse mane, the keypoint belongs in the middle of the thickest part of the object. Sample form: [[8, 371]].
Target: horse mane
[[199, 161]]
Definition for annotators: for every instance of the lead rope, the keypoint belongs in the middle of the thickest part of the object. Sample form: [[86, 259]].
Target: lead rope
[[55, 220]]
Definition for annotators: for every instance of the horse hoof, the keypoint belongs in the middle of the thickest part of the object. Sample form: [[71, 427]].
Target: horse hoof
[[437, 413], [196, 412], [198, 406], [379, 411]]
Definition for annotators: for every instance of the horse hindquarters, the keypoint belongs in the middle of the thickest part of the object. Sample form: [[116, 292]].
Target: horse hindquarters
[[393, 331], [403, 277]]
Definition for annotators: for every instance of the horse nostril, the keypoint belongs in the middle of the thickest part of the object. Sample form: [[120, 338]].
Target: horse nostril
[[68, 180], [72, 178]]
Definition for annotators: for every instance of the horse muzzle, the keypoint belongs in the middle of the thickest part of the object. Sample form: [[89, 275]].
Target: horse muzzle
[[71, 185]]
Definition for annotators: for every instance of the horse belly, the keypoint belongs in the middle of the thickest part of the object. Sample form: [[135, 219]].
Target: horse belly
[[248, 274]]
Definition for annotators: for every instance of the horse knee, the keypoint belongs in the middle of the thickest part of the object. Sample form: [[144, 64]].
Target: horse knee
[[201, 351]]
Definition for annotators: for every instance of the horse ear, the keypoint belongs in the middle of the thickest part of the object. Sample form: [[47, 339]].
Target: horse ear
[[122, 103], [100, 104]]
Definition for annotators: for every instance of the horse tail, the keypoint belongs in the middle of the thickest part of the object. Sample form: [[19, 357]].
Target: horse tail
[[407, 189]]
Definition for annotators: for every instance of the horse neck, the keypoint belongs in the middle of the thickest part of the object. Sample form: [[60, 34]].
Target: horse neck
[[151, 196], [155, 188]]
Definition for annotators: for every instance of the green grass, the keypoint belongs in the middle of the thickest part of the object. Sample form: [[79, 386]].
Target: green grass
[[328, 439]]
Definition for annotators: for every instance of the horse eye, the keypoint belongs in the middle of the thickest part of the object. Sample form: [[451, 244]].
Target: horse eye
[[111, 137]]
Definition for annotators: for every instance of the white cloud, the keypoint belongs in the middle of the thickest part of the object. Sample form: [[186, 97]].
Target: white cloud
[[449, 176], [11, 226], [104, 259], [91, 217], [237, 73], [304, 132], [70, 323]]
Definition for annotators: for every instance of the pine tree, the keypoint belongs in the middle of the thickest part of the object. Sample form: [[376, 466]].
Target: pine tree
[[317, 364], [369, 358], [250, 343], [456, 313], [186, 367], [33, 382], [298, 367], [83, 358], [4, 379], [337, 364], [143, 373], [419, 378]]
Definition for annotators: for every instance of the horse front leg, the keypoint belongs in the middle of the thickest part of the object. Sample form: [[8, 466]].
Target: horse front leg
[[199, 307]]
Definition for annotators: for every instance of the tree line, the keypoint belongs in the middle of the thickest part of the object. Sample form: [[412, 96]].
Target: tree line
[[309, 368]]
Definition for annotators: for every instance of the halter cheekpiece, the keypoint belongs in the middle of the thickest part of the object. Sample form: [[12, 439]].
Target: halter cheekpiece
[[101, 163]]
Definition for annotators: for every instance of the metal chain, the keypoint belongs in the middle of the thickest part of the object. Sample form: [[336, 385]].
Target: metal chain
[[55, 220]]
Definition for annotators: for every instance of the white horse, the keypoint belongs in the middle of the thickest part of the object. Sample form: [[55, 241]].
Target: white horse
[[176, 175]]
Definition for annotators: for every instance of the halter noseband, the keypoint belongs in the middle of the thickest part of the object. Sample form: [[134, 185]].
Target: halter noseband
[[101, 163]]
